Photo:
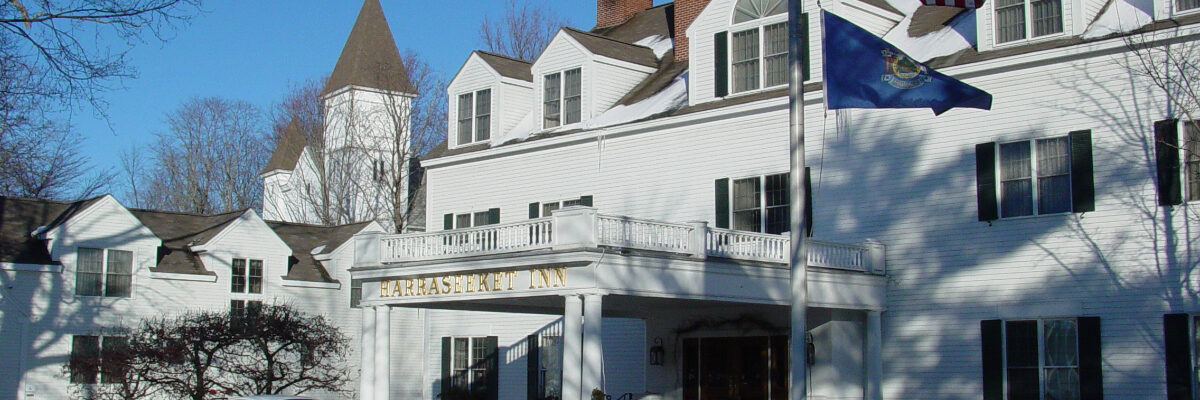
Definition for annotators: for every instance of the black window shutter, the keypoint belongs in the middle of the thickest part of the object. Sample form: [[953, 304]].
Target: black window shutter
[[804, 51], [493, 216], [1083, 189], [722, 201], [448, 221], [1091, 384], [533, 210], [585, 201], [533, 360], [1166, 150], [808, 200], [1178, 354], [993, 359], [721, 63], [493, 367], [985, 181], [445, 366]]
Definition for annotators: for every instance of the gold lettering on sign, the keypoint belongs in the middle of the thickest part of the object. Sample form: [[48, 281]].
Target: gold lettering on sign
[[483, 282]]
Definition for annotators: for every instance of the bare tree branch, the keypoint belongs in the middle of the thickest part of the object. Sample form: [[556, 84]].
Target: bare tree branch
[[522, 32]]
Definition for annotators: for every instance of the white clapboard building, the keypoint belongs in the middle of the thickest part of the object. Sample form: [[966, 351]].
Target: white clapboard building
[[612, 216]]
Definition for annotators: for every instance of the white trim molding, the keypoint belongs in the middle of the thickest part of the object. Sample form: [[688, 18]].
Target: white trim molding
[[314, 285], [182, 277], [51, 268]]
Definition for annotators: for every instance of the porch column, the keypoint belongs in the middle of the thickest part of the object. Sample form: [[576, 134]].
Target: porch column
[[572, 361], [874, 356], [383, 353], [366, 365], [593, 347]]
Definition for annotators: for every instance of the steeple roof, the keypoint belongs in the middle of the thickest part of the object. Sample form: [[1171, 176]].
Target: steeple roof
[[370, 58]]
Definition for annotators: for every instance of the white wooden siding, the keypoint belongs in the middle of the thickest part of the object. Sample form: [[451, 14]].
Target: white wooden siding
[[474, 76], [610, 83]]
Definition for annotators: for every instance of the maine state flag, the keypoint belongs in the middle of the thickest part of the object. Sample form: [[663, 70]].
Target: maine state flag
[[863, 71]]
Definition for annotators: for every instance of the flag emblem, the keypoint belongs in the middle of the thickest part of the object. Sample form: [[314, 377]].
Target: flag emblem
[[903, 72]]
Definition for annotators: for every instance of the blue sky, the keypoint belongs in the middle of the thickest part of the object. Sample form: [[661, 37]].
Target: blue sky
[[251, 50]]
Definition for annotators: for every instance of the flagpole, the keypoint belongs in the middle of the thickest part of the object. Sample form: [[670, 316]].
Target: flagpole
[[798, 260]]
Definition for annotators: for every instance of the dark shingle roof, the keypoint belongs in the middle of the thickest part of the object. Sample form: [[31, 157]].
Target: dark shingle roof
[[370, 58], [614, 49], [303, 239], [928, 19], [655, 21], [507, 66], [178, 231], [19, 218], [288, 149]]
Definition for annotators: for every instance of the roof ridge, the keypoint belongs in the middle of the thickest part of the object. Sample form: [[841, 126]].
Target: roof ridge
[[504, 56], [301, 224], [607, 38], [193, 214], [63, 202]]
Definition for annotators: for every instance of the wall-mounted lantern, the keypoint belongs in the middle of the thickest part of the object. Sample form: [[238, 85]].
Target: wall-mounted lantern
[[656, 352]]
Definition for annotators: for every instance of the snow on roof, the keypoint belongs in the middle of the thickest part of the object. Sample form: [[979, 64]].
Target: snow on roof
[[672, 97], [957, 35], [517, 133], [658, 43], [1119, 17]]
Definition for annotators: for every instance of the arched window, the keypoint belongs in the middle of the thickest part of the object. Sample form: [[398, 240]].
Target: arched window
[[758, 56]]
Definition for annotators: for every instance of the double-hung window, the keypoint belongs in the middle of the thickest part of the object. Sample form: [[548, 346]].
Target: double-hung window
[[562, 98], [355, 292], [469, 367], [1042, 359], [760, 204], [97, 356], [471, 219], [244, 308], [103, 272], [759, 54], [1035, 177], [474, 116], [1020, 19], [247, 276]]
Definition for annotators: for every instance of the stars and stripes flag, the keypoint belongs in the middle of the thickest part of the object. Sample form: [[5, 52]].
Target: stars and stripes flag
[[954, 3]]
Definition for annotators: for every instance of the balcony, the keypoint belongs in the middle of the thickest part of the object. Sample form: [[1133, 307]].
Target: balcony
[[578, 228]]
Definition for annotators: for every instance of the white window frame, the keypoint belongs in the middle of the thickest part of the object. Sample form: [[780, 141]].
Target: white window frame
[[473, 95], [557, 205], [762, 200], [1175, 11], [470, 367], [262, 285], [562, 97], [104, 272], [760, 25], [1041, 350], [1033, 177], [472, 217], [1028, 18]]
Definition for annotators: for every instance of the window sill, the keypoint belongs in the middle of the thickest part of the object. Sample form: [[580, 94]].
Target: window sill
[[183, 277], [1035, 216], [733, 95], [313, 285]]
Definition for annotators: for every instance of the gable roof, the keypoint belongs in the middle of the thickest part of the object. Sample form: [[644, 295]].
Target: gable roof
[[613, 48], [20, 217], [370, 58], [288, 149], [507, 66], [303, 239], [654, 21], [178, 232]]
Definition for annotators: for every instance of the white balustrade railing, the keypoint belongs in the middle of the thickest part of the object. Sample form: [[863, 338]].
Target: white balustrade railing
[[643, 234], [502, 238], [586, 228]]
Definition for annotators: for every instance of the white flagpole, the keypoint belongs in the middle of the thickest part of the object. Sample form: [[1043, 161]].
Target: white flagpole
[[797, 361]]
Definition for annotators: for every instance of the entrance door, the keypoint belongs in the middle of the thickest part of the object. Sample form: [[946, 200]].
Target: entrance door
[[735, 368]]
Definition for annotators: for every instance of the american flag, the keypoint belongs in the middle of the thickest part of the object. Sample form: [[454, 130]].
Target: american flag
[[954, 3]]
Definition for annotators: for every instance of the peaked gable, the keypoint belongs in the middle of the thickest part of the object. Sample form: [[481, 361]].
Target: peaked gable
[[370, 57]]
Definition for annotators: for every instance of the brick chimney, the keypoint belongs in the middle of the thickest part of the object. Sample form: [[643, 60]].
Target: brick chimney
[[685, 12], [613, 12]]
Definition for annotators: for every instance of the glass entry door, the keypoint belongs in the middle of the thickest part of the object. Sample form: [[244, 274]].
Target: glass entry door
[[735, 368]]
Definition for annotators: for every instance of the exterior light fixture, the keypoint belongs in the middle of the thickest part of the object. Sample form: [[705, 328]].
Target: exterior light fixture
[[656, 352]]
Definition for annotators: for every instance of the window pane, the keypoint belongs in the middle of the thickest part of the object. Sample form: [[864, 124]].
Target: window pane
[[775, 54], [745, 60], [1060, 343], [777, 204], [483, 111], [551, 96], [238, 280], [355, 292], [1054, 179], [481, 219], [1021, 344], [747, 196], [120, 274], [464, 118], [90, 260], [114, 351], [256, 276], [748, 10], [85, 358], [237, 308], [1047, 17], [462, 221], [1016, 189], [1010, 20], [89, 265], [1023, 383], [1054, 195], [460, 352], [1192, 160], [572, 96], [1182, 5], [548, 208], [550, 353], [1062, 384]]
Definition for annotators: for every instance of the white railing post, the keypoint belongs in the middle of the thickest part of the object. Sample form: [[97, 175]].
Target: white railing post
[[876, 262], [574, 227], [368, 249], [698, 238]]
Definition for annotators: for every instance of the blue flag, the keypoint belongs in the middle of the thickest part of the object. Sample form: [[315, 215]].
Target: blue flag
[[863, 71]]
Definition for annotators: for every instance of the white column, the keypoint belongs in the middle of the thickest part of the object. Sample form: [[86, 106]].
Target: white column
[[383, 352], [874, 356], [366, 345], [593, 347], [572, 361]]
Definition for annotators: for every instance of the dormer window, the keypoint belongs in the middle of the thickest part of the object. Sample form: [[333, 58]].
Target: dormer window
[[759, 54], [563, 98], [474, 116], [1012, 17]]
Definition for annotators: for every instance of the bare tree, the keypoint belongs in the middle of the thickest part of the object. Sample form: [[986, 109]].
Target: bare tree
[[1171, 63], [208, 160], [302, 104], [282, 350], [522, 32]]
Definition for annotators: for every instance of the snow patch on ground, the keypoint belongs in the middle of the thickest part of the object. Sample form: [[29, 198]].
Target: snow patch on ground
[[658, 43], [673, 97], [1119, 17]]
